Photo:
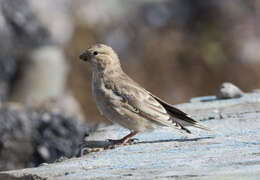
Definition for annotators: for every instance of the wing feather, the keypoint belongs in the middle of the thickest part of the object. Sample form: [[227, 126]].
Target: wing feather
[[178, 115], [137, 100]]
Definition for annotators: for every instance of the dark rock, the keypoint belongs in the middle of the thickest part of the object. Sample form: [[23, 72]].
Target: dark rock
[[29, 137], [16, 133], [57, 136], [26, 32], [20, 32], [8, 66]]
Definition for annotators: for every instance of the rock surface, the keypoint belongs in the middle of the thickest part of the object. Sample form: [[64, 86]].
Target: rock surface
[[230, 151], [31, 136], [228, 90]]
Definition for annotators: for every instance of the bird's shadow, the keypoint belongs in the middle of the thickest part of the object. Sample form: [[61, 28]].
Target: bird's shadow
[[94, 146], [175, 140]]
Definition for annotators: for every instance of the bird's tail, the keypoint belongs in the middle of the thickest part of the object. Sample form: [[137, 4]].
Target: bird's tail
[[180, 117]]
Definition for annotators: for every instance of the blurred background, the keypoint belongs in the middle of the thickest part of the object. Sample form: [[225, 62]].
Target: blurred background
[[176, 49]]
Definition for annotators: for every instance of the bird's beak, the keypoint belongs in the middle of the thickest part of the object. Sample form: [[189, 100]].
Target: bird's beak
[[85, 56]]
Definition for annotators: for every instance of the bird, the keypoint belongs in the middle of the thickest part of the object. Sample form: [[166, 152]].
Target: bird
[[123, 101]]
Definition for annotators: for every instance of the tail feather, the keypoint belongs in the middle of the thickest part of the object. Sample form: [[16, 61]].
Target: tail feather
[[180, 117], [185, 121], [182, 127]]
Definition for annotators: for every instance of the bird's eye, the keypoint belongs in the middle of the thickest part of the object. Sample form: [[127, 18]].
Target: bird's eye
[[95, 53]]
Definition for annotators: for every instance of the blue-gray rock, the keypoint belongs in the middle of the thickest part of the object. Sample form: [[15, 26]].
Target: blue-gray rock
[[230, 151]]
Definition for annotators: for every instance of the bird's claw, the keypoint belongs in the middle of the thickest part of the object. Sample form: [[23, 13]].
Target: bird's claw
[[122, 141]]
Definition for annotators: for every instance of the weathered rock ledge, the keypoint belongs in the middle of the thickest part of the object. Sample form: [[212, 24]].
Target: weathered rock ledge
[[230, 151]]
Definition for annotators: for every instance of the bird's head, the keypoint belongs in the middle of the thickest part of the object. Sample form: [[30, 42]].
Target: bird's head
[[101, 57]]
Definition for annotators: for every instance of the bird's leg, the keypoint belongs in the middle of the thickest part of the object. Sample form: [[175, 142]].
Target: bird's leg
[[125, 139], [128, 137]]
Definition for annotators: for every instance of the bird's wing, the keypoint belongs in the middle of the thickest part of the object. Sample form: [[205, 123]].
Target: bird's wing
[[178, 115], [138, 100]]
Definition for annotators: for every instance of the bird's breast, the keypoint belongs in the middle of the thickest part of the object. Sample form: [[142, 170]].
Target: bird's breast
[[104, 96]]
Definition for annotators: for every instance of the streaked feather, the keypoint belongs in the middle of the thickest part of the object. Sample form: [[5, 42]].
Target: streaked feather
[[142, 102]]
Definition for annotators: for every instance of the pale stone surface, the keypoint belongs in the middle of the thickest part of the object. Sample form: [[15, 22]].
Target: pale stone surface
[[230, 151], [228, 90]]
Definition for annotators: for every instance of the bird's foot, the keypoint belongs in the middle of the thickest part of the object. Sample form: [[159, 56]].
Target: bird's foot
[[124, 141], [121, 142]]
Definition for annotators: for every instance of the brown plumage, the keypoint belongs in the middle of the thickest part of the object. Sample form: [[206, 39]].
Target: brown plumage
[[123, 101]]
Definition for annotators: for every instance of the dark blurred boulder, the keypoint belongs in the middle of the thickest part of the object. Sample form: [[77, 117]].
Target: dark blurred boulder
[[31, 136], [20, 32], [7, 70], [16, 133], [26, 30]]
